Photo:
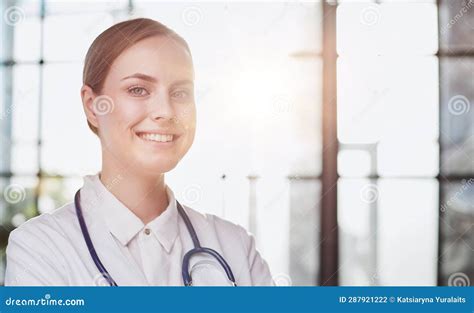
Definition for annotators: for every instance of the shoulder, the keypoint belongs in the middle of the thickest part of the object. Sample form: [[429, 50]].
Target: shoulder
[[35, 250], [45, 228], [206, 219]]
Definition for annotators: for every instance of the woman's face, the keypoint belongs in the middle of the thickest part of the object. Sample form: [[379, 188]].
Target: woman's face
[[149, 121]]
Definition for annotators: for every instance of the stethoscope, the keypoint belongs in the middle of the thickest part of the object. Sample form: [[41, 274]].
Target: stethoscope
[[187, 279]]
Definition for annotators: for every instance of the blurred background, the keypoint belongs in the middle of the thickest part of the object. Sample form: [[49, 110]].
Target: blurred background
[[340, 133]]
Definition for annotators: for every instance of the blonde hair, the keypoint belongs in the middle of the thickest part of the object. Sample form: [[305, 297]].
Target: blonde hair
[[112, 42]]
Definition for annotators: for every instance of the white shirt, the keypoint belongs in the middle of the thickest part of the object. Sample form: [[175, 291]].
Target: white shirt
[[50, 249]]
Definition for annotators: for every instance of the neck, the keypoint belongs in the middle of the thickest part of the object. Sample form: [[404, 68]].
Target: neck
[[144, 195]]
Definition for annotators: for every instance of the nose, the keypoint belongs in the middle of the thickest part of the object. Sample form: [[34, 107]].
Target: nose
[[161, 107]]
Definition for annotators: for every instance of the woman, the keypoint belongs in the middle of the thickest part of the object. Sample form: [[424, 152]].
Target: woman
[[125, 226]]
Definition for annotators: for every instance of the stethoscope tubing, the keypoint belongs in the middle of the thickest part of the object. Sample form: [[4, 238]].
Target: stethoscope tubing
[[187, 279]]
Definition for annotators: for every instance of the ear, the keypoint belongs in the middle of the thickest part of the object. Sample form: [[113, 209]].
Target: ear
[[88, 97]]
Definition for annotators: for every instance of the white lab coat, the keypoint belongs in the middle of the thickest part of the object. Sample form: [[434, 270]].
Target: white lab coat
[[50, 250]]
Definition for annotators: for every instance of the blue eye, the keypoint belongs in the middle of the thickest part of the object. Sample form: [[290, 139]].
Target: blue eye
[[138, 91]]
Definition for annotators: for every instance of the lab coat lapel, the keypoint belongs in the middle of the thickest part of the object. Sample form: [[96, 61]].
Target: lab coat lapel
[[123, 269]]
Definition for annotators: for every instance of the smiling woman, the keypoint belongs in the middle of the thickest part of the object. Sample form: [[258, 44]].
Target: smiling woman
[[125, 223], [138, 86]]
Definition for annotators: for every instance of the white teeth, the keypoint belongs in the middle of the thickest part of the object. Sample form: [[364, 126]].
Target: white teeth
[[156, 137]]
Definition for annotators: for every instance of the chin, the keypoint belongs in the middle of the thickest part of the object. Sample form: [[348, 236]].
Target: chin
[[157, 166]]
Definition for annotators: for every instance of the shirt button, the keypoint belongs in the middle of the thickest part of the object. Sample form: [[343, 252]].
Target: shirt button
[[147, 231]]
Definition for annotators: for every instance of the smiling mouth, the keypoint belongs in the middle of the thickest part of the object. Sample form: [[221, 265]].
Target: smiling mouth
[[155, 137]]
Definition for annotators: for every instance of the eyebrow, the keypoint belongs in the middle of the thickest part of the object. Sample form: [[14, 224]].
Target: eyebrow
[[154, 80], [142, 77], [183, 82]]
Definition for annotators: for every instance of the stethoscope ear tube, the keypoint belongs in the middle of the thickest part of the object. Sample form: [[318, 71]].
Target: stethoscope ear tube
[[90, 245]]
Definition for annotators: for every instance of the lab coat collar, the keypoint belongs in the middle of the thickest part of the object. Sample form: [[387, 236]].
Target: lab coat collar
[[123, 223]]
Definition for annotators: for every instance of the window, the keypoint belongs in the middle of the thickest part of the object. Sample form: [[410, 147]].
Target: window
[[340, 133], [456, 141], [405, 134], [259, 74], [265, 143]]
